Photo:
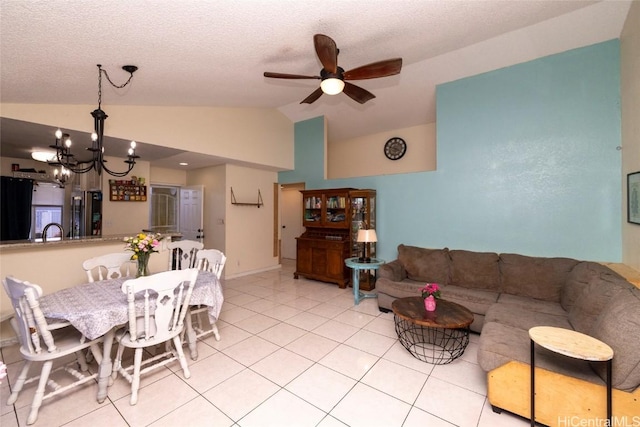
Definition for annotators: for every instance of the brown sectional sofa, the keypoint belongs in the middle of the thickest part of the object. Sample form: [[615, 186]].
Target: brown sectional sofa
[[510, 293]]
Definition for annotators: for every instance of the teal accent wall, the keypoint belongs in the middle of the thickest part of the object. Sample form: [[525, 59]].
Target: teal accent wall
[[527, 163], [309, 154]]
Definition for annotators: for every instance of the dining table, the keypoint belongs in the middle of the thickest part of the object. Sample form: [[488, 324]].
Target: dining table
[[99, 308]]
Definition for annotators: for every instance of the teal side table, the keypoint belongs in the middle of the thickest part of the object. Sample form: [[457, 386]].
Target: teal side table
[[356, 266]]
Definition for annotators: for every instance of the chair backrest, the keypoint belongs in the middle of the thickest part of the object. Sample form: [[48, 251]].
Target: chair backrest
[[29, 323], [109, 266], [211, 260], [163, 301], [183, 254]]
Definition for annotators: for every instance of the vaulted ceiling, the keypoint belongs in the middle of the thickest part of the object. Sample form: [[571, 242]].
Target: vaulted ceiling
[[214, 53]]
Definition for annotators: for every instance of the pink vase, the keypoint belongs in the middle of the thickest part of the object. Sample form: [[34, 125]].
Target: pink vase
[[430, 303]]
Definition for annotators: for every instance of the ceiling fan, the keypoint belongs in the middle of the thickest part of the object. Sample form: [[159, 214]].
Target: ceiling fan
[[333, 77]]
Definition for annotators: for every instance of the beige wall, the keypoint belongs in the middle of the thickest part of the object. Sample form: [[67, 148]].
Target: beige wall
[[254, 136], [364, 156], [167, 176], [56, 266], [120, 217], [6, 162], [251, 248], [630, 98]]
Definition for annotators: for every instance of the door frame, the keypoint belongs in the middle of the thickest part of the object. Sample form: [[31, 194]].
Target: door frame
[[298, 186]]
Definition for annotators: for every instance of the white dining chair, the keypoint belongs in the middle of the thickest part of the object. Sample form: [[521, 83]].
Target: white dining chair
[[46, 342], [109, 266], [158, 305], [197, 322], [183, 254]]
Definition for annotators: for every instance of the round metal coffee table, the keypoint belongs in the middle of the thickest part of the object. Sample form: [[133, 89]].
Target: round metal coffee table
[[438, 337]]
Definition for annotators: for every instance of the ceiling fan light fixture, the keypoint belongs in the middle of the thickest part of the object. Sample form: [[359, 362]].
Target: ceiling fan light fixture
[[332, 86]]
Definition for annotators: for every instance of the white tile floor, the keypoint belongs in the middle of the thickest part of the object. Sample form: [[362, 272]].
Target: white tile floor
[[293, 353]]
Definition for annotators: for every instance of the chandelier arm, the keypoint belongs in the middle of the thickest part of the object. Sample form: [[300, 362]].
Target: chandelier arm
[[62, 159], [119, 174], [78, 168]]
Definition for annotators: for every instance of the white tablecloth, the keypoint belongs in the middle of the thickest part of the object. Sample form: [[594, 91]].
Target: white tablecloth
[[95, 308]]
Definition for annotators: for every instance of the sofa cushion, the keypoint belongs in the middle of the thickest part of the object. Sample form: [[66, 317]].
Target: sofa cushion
[[535, 277], [477, 270], [537, 305], [592, 301], [393, 271], [425, 265], [518, 317], [619, 327], [405, 288], [477, 301], [500, 344], [583, 274]]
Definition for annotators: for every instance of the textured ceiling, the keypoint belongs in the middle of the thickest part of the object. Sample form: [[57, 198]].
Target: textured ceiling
[[213, 53]]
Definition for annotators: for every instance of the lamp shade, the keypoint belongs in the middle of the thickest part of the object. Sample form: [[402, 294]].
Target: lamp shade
[[367, 236], [332, 86]]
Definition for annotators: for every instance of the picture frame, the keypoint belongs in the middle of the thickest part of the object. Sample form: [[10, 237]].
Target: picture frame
[[633, 198]]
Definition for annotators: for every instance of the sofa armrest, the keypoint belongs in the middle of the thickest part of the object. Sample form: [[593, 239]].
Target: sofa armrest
[[393, 271]]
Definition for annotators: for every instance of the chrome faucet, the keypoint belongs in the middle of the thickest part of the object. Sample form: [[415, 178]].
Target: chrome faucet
[[46, 228]]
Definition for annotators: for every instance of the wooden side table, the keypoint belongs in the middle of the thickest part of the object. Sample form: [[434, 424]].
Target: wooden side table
[[356, 265], [572, 344]]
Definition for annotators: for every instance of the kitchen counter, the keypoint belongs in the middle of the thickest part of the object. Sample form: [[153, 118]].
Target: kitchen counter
[[53, 243]]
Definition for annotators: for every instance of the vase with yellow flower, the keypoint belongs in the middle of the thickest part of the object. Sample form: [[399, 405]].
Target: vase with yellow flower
[[143, 245], [430, 292]]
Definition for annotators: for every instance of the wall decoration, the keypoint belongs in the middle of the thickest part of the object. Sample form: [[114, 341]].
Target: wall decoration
[[633, 198]]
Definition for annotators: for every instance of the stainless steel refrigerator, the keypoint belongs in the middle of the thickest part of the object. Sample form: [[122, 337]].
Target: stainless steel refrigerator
[[86, 214]]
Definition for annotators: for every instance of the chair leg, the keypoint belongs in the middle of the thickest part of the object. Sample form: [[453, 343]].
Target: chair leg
[[201, 322], [39, 394], [135, 383], [191, 336], [117, 362], [181, 358], [96, 353], [17, 388], [82, 361], [216, 334]]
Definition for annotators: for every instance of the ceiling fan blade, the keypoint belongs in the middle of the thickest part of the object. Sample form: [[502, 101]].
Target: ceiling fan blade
[[288, 76], [385, 68], [357, 93], [327, 52], [313, 97]]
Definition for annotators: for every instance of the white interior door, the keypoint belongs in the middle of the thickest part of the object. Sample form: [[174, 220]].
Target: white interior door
[[191, 213], [291, 217]]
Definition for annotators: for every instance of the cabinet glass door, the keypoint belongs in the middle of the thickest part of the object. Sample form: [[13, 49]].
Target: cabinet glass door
[[336, 210], [312, 210]]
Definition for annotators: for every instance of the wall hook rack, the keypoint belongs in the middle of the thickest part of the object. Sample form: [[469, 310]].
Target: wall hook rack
[[234, 202]]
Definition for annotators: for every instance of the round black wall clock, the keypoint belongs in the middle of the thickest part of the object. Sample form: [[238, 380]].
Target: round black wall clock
[[395, 148]]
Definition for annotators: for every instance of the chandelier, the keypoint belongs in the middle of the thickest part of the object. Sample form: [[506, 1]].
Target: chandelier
[[66, 160], [63, 177]]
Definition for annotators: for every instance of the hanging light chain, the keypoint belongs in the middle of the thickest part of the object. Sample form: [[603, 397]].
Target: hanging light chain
[[129, 68]]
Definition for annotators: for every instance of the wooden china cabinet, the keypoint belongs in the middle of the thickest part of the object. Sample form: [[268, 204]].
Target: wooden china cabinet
[[332, 218]]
